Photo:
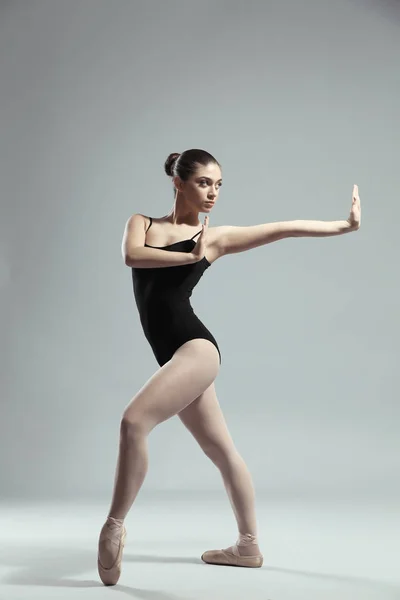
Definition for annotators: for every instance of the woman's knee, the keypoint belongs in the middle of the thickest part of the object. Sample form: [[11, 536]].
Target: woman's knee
[[219, 454], [133, 426]]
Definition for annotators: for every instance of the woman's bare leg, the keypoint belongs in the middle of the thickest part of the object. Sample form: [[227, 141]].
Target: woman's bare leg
[[191, 370], [205, 420], [174, 386]]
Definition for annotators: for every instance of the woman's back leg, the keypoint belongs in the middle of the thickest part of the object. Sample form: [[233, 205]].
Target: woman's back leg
[[205, 420]]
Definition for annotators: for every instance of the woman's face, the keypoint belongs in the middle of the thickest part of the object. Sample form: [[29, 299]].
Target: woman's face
[[202, 189]]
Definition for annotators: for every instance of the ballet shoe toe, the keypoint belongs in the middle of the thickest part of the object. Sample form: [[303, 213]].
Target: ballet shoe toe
[[229, 558], [110, 575]]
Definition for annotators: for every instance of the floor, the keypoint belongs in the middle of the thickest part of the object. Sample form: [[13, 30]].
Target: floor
[[313, 550]]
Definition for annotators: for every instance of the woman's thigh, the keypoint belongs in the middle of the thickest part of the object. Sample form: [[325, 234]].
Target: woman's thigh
[[191, 370], [205, 420]]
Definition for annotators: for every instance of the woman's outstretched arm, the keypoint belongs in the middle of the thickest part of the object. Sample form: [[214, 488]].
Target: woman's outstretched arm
[[238, 239]]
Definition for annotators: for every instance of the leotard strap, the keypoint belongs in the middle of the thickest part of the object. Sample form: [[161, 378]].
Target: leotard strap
[[196, 234]]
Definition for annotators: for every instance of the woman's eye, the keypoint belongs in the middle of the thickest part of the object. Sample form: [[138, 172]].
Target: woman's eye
[[205, 182]]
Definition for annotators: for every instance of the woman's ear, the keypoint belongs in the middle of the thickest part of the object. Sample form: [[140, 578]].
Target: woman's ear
[[178, 183]]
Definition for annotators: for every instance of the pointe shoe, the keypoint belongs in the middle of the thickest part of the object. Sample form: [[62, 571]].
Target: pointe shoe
[[115, 536], [230, 556]]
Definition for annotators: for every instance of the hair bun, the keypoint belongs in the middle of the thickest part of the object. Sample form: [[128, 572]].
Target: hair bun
[[170, 162]]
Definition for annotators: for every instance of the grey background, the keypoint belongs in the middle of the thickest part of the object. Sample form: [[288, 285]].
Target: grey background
[[298, 101]]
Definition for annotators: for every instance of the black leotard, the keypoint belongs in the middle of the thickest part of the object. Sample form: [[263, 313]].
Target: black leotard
[[162, 296]]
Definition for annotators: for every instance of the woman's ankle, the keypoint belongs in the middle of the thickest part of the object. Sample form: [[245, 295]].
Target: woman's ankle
[[246, 539], [115, 521], [247, 545]]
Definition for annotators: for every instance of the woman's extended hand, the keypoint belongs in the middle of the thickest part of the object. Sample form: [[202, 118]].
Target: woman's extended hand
[[355, 214], [200, 248]]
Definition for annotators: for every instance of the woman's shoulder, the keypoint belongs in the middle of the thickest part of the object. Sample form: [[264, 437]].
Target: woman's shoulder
[[145, 219]]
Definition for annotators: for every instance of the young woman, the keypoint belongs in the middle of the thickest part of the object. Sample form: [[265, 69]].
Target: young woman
[[168, 256]]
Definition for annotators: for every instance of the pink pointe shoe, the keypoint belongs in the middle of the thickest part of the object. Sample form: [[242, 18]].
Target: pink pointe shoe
[[236, 556], [111, 544]]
